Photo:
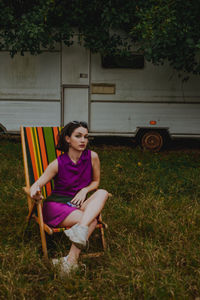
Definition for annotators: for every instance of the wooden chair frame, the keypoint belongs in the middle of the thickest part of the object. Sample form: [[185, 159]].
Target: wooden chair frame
[[32, 205]]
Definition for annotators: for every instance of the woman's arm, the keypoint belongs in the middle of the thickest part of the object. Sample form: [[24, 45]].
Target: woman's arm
[[81, 195], [49, 173], [96, 173]]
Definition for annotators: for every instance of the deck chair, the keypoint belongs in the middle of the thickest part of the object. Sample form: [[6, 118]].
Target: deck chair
[[38, 147]]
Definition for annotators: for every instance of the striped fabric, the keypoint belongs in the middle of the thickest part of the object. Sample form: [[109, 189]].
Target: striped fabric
[[40, 148], [58, 229]]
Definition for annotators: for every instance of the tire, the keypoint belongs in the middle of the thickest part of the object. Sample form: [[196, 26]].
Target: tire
[[152, 140]]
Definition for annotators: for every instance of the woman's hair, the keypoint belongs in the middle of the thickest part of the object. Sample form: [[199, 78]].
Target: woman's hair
[[67, 131]]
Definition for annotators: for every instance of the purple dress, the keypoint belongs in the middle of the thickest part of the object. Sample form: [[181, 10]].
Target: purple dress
[[70, 179]]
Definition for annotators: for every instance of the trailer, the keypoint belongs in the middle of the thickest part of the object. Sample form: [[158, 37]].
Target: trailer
[[117, 97]]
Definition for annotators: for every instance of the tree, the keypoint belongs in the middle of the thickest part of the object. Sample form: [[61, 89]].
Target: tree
[[161, 29], [170, 30], [29, 25]]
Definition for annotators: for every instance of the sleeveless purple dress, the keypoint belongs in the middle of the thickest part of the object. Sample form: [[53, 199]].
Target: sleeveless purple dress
[[70, 179]]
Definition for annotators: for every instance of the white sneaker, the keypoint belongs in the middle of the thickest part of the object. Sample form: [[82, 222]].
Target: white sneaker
[[64, 265], [78, 234]]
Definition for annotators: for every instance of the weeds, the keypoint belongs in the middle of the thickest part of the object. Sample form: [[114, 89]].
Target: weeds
[[153, 236]]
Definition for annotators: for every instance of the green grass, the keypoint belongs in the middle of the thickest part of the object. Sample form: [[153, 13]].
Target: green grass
[[153, 236]]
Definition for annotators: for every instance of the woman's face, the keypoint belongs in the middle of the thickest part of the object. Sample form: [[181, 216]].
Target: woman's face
[[78, 139]]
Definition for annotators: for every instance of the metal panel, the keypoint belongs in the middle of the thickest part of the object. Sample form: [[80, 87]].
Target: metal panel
[[75, 104], [75, 64], [123, 118], [13, 114], [30, 77], [153, 83]]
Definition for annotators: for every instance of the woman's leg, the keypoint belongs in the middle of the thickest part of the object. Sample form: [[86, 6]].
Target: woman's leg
[[90, 209], [93, 206], [74, 252], [71, 220], [78, 234], [86, 216]]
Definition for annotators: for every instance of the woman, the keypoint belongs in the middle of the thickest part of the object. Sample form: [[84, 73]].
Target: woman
[[75, 173]]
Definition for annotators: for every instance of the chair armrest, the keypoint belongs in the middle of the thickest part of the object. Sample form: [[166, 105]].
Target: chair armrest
[[27, 191]]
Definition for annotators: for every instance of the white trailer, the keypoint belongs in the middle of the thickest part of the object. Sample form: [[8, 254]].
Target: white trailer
[[150, 103]]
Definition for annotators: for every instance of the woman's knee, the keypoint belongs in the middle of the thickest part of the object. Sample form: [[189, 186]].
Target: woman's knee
[[103, 193]]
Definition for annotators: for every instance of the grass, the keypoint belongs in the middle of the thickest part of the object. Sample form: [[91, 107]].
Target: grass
[[153, 236]]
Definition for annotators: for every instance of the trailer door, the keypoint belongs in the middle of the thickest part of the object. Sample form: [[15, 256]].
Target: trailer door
[[75, 103], [75, 83]]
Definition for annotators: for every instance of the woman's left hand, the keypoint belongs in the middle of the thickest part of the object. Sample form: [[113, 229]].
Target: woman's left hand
[[79, 197]]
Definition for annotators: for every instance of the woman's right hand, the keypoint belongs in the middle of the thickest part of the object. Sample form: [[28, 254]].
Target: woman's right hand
[[35, 192]]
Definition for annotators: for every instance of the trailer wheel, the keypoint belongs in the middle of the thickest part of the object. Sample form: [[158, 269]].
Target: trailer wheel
[[152, 140]]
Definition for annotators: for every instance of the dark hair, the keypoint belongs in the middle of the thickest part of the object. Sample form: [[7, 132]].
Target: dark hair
[[67, 131]]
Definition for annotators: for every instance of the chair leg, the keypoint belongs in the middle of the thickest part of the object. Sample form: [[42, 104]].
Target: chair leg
[[42, 232], [102, 232], [103, 239]]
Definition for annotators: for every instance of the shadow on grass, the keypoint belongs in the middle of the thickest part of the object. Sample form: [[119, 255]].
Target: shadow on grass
[[178, 144], [181, 144]]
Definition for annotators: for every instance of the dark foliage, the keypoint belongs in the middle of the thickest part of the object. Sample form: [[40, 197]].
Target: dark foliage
[[166, 30]]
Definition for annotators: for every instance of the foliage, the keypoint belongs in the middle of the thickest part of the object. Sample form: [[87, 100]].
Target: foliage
[[164, 29], [170, 30], [153, 230], [44, 23]]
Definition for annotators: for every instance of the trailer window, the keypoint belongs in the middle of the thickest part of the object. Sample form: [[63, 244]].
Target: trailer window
[[134, 61]]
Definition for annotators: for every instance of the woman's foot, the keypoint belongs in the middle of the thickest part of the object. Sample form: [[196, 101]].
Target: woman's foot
[[65, 266], [78, 234]]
